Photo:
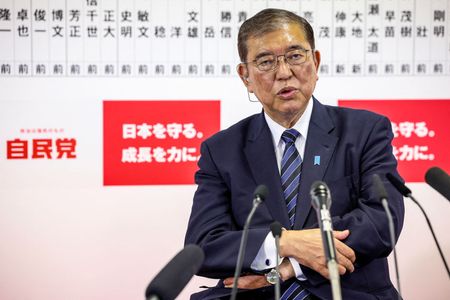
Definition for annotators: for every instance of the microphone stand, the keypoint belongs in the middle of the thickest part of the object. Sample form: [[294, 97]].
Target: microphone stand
[[277, 230], [410, 196], [334, 279], [277, 268], [321, 202], [383, 196], [406, 192], [256, 201], [392, 236], [332, 265]]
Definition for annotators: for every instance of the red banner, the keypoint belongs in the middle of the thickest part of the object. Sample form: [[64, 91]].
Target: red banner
[[421, 131], [155, 142]]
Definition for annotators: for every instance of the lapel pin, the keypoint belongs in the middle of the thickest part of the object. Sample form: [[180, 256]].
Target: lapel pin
[[317, 160]]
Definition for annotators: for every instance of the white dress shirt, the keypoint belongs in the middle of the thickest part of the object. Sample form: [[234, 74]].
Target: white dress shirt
[[266, 257]]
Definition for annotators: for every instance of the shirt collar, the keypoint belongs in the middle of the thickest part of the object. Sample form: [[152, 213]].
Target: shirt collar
[[301, 126]]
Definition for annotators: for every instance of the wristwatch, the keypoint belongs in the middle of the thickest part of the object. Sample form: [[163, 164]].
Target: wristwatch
[[271, 277]]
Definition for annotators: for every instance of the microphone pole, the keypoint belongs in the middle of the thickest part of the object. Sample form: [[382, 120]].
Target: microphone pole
[[276, 229], [259, 195], [382, 195], [321, 201], [406, 192]]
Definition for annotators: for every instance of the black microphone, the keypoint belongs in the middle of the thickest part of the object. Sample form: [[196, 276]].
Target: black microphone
[[276, 230], [259, 196], [321, 201], [403, 189], [439, 180], [382, 195], [406, 192], [172, 279]]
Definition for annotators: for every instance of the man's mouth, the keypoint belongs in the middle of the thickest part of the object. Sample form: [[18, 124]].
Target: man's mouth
[[287, 92]]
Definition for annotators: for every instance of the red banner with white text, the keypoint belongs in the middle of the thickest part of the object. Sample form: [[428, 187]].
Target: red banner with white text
[[421, 132], [155, 142]]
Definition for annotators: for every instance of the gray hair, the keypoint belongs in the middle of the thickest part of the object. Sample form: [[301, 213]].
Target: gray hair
[[269, 20]]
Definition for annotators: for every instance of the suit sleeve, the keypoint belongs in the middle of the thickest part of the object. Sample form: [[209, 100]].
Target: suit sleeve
[[366, 219], [367, 222], [212, 224]]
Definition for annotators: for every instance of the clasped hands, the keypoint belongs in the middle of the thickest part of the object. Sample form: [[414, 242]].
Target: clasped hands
[[307, 248]]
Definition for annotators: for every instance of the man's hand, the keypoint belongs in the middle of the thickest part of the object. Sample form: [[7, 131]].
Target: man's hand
[[257, 281], [307, 248]]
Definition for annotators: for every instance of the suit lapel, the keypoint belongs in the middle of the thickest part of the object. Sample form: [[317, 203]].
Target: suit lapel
[[319, 149], [260, 155]]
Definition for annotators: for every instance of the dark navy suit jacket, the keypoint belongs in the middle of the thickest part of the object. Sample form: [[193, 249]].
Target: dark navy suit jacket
[[352, 146]]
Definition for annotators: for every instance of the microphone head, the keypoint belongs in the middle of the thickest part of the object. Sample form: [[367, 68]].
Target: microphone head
[[379, 187], [401, 187], [276, 229], [261, 192], [320, 195], [439, 180], [172, 279]]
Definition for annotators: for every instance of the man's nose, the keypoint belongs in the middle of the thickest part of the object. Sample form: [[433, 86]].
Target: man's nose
[[283, 69]]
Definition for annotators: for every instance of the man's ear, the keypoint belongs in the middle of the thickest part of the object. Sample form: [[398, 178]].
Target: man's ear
[[243, 74], [316, 57]]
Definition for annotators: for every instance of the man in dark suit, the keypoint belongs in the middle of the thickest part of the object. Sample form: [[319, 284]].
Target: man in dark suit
[[295, 141]]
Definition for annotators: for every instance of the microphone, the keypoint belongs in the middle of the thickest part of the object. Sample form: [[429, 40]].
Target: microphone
[[403, 189], [276, 230], [171, 280], [382, 195], [406, 192], [321, 201], [259, 196], [439, 180]]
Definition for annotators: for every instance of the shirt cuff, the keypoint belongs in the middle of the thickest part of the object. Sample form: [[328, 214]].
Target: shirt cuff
[[297, 269], [267, 255]]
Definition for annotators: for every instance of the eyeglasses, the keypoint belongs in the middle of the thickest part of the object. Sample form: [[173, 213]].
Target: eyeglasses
[[269, 62]]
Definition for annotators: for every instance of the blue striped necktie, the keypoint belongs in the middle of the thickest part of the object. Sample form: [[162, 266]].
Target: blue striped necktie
[[291, 163], [291, 167]]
